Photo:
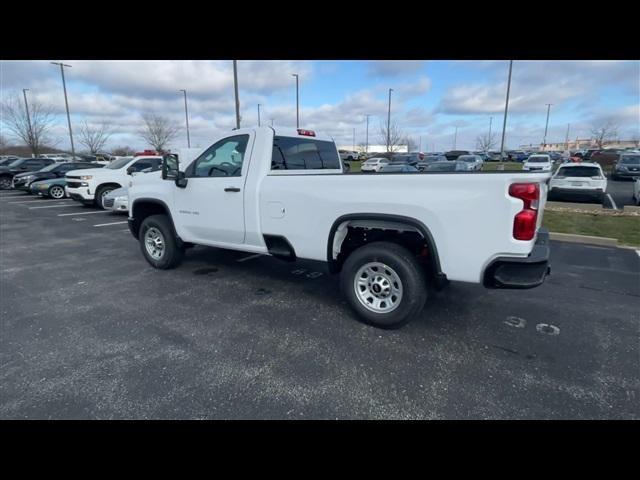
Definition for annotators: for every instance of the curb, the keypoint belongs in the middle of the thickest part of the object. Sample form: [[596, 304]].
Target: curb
[[586, 239]]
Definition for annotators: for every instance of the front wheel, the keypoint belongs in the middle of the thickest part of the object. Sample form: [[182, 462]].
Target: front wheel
[[158, 243], [384, 284], [101, 193], [5, 183], [56, 192]]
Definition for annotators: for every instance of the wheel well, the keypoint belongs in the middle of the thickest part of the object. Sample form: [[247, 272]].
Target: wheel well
[[109, 184], [142, 209], [351, 233]]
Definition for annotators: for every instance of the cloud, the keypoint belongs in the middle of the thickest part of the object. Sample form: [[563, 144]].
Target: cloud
[[393, 68]]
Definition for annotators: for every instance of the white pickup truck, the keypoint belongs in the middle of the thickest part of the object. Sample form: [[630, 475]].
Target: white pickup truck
[[283, 192]]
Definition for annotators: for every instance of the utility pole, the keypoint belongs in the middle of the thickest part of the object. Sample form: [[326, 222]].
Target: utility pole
[[186, 117], [490, 121], [258, 114], [354, 139], [26, 107], [546, 126], [297, 100], [389, 121], [66, 102], [455, 138], [506, 109], [272, 122], [235, 88], [566, 139], [366, 143]]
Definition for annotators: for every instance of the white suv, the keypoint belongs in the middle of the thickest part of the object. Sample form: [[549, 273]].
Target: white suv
[[578, 180], [538, 162], [90, 186]]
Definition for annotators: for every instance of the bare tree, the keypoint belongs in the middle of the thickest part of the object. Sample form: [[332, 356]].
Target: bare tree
[[33, 129], [3, 142], [604, 133], [485, 142], [636, 139], [125, 151], [412, 145], [396, 136], [94, 136], [159, 131]]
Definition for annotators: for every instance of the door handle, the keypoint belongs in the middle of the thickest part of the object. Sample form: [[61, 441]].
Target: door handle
[[232, 189]]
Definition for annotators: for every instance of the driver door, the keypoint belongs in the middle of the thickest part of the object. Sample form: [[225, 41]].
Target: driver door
[[210, 209]]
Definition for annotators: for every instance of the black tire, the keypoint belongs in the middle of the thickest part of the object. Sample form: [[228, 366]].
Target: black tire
[[54, 192], [405, 265], [101, 192], [5, 183], [172, 254]]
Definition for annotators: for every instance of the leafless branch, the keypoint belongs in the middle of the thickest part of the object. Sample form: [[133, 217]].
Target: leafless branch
[[34, 133], [158, 131], [95, 136]]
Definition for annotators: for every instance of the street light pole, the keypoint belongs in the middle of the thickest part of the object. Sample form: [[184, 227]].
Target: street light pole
[[297, 100], [258, 114], [26, 107], [455, 138], [489, 139], [354, 139], [66, 102], [546, 126], [506, 109], [366, 142], [389, 122], [272, 122], [186, 117], [566, 140], [235, 88]]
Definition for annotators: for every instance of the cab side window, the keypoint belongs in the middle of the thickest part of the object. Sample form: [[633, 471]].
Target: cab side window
[[222, 159], [143, 164]]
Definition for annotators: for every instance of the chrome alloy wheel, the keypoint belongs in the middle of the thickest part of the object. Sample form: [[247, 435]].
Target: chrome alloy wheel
[[378, 287], [154, 243], [57, 192]]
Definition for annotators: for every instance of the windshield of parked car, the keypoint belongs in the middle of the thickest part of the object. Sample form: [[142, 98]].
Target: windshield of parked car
[[17, 163], [121, 162], [582, 171], [630, 159], [538, 159], [48, 168], [467, 158], [432, 158]]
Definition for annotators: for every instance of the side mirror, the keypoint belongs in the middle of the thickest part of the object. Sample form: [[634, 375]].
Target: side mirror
[[130, 170], [170, 167]]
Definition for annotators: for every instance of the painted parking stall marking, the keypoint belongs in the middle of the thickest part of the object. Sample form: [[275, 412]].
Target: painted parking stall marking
[[107, 224], [81, 213], [249, 257], [52, 206]]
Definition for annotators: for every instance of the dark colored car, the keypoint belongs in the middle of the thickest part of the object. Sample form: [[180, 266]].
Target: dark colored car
[[428, 159], [8, 160], [408, 158], [454, 154], [447, 166], [627, 166], [22, 181], [21, 165], [398, 167]]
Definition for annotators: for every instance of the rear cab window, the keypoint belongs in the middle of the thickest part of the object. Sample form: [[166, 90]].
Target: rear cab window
[[304, 155]]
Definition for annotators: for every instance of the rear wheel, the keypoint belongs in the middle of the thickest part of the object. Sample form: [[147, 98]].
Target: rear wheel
[[57, 192], [384, 284], [158, 243], [5, 183]]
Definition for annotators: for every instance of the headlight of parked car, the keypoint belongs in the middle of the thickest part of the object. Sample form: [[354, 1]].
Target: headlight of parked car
[[86, 177]]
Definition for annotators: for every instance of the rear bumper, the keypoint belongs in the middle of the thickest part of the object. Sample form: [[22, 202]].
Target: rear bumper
[[576, 192], [527, 272]]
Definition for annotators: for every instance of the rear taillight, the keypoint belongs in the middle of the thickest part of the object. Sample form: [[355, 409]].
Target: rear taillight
[[524, 223]]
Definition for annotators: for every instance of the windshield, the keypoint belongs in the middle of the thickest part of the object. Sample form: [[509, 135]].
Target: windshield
[[581, 171], [467, 158], [48, 168], [630, 159], [432, 158], [16, 163], [441, 167], [121, 162], [539, 159]]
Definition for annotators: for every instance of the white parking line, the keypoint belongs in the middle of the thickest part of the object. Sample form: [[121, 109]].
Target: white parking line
[[52, 206], [35, 200], [638, 252], [12, 194], [249, 257], [113, 223], [81, 213], [612, 202]]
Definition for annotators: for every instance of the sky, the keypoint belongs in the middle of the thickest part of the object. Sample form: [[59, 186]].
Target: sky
[[429, 98]]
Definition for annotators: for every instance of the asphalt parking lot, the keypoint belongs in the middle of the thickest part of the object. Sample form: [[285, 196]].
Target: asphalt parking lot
[[89, 330], [621, 191]]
